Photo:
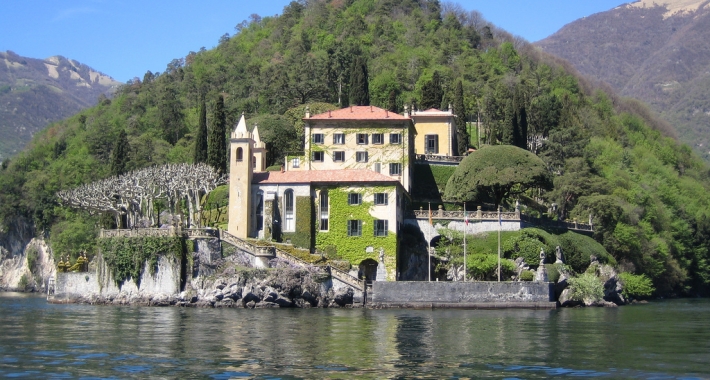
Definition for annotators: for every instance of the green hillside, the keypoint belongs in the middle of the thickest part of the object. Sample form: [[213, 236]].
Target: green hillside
[[647, 194]]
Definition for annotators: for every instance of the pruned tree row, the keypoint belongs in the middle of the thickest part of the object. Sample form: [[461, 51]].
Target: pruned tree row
[[134, 194]]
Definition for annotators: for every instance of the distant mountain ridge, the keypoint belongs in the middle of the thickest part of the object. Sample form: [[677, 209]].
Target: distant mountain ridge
[[35, 92], [656, 51]]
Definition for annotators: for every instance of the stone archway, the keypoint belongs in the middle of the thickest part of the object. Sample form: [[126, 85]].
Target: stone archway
[[367, 270]]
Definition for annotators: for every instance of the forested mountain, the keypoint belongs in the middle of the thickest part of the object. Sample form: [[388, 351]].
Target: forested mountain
[[656, 51], [36, 92], [648, 195]]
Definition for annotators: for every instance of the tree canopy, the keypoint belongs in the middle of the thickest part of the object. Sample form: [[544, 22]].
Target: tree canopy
[[495, 173]]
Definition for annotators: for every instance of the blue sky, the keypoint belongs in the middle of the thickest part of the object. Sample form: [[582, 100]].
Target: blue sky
[[125, 38]]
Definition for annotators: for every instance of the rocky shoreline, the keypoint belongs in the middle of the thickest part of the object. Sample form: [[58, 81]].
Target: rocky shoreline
[[237, 288]]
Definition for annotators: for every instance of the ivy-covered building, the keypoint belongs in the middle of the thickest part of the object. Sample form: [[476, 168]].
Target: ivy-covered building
[[346, 196]]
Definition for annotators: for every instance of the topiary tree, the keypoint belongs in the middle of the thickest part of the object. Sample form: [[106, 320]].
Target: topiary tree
[[497, 172]]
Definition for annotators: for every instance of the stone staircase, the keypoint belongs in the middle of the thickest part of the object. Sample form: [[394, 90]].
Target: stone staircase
[[268, 251]]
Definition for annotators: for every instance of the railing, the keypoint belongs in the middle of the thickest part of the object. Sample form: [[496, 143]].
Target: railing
[[256, 250], [479, 215], [162, 232], [472, 215], [438, 158], [346, 277], [140, 232], [200, 233]]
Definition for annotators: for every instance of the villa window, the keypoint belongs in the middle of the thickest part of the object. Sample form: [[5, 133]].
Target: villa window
[[432, 144], [362, 138], [395, 138], [296, 162], [288, 210], [396, 169], [339, 138], [361, 156], [338, 156], [318, 138], [324, 210], [381, 199], [354, 227], [354, 199], [380, 227], [378, 167], [318, 156], [378, 138]]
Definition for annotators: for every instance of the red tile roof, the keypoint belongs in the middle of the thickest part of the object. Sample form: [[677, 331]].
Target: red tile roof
[[358, 113], [361, 176]]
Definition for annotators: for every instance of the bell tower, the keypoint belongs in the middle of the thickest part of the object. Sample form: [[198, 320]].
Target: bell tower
[[241, 171]]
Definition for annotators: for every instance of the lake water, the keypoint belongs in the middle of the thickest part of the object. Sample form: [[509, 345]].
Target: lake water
[[659, 340]]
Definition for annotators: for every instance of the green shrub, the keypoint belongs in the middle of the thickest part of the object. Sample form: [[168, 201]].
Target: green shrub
[[586, 288], [24, 282], [527, 275], [577, 250], [553, 272], [527, 244], [483, 267], [636, 286]]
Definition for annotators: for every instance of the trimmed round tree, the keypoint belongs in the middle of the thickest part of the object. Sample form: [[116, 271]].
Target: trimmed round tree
[[497, 171]]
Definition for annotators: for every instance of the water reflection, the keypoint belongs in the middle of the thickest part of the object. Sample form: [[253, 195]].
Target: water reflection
[[670, 339]]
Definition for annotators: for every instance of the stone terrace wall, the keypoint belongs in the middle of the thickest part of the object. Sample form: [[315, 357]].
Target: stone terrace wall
[[483, 295]]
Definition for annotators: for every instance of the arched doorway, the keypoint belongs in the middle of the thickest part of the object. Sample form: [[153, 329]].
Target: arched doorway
[[367, 270]]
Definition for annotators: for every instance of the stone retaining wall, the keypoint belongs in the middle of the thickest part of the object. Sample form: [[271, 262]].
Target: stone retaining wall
[[484, 295]]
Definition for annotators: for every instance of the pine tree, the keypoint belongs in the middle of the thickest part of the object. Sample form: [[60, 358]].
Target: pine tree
[[217, 138], [359, 84], [201, 139], [119, 155], [462, 137], [432, 93]]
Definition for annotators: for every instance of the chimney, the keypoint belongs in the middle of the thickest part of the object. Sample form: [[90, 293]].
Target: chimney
[[308, 112], [371, 109], [329, 115], [406, 110], [387, 113]]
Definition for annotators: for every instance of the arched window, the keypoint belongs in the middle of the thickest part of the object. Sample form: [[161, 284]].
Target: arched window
[[324, 210], [240, 154], [288, 211]]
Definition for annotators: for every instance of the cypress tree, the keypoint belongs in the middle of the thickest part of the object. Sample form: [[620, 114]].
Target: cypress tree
[[392, 102], [217, 138], [432, 93], [520, 120], [119, 155], [359, 84], [201, 139], [462, 137]]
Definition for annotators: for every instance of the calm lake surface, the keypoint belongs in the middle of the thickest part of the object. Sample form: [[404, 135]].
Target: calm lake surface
[[660, 340]]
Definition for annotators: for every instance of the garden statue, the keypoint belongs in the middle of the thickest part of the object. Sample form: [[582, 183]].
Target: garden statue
[[560, 257], [542, 256]]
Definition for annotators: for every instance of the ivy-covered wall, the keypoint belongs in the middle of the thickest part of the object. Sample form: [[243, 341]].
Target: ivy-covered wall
[[126, 256], [302, 237], [354, 249]]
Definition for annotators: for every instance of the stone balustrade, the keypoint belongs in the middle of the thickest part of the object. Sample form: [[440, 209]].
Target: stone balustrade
[[516, 216], [438, 158]]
